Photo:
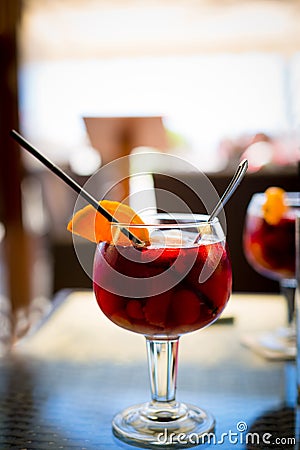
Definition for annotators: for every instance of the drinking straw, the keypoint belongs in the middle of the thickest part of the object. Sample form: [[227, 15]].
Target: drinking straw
[[72, 183]]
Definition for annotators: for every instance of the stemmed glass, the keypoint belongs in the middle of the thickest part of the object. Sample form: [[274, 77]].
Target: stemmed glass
[[270, 250], [179, 283], [176, 281]]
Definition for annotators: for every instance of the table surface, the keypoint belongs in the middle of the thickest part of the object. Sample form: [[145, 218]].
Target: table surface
[[62, 384]]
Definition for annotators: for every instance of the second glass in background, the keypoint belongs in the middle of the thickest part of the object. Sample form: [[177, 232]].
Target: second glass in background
[[269, 247]]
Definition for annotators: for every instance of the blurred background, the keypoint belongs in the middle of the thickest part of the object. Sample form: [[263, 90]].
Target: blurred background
[[217, 71], [88, 81]]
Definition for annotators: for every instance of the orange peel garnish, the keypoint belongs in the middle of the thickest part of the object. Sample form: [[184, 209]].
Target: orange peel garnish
[[93, 226], [275, 206]]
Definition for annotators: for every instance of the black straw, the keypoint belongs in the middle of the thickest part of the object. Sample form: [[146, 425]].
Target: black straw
[[70, 182]]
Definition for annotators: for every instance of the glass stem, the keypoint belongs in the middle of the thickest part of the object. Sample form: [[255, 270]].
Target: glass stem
[[162, 363], [288, 288]]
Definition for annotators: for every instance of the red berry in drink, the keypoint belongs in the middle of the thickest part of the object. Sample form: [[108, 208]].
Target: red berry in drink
[[185, 307], [156, 309], [134, 309]]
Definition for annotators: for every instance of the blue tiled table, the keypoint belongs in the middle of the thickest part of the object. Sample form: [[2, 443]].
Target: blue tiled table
[[61, 385]]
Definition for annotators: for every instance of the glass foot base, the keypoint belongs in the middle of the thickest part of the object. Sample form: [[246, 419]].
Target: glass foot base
[[282, 340], [171, 425]]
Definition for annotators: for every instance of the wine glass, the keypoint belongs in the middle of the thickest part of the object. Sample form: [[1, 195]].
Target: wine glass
[[179, 283], [270, 250]]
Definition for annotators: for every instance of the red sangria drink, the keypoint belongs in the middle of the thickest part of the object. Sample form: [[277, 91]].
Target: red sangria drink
[[179, 282], [174, 301], [269, 240]]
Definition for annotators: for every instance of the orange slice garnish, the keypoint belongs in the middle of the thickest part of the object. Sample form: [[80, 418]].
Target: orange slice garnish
[[275, 206], [92, 225]]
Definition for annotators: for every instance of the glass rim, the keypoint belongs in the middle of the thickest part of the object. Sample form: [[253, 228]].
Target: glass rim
[[287, 193], [292, 198], [190, 220]]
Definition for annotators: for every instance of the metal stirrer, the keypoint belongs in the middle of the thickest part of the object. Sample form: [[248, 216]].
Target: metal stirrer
[[234, 183]]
